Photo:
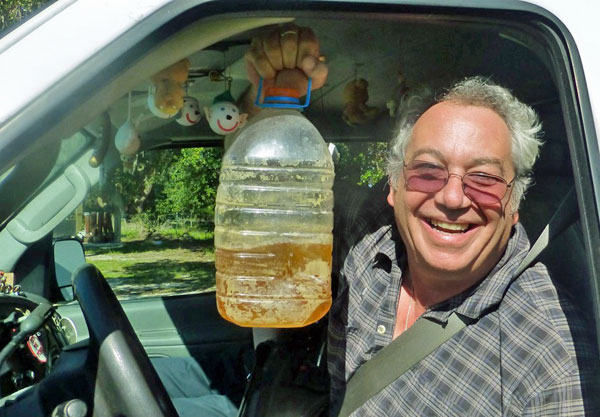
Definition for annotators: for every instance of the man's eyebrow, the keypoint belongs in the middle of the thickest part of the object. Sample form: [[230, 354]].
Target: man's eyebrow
[[429, 151], [475, 162], [490, 161]]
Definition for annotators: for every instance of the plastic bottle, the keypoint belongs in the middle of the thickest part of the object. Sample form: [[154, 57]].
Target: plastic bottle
[[274, 220]]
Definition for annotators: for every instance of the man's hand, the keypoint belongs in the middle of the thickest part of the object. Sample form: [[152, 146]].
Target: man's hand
[[285, 57]]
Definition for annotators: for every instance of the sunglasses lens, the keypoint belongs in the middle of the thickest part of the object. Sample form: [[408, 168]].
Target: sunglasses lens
[[425, 177], [484, 189], [481, 188]]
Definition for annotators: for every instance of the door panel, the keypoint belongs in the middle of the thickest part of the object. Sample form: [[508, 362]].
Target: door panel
[[181, 325], [187, 325]]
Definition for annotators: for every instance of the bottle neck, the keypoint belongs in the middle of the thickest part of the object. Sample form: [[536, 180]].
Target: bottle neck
[[257, 117]]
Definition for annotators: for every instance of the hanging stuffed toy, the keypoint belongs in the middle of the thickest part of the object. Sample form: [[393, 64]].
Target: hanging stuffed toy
[[356, 111], [223, 116], [152, 107], [168, 96], [127, 139], [190, 112]]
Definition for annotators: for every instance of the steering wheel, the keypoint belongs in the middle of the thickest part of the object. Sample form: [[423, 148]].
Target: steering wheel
[[126, 382]]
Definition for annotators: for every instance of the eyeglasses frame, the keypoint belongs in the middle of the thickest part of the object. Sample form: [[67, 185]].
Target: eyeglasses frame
[[450, 174]]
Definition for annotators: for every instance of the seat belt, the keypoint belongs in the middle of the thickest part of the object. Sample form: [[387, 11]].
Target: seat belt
[[414, 344], [425, 336], [565, 215]]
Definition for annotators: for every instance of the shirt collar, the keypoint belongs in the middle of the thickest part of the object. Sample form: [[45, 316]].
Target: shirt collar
[[386, 238]]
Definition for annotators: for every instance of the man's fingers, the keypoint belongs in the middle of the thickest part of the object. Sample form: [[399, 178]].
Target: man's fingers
[[308, 45], [258, 60], [272, 50], [308, 58], [316, 70], [286, 48], [289, 47]]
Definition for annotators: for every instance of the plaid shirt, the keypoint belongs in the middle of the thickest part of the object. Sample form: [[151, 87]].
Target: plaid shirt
[[528, 352]]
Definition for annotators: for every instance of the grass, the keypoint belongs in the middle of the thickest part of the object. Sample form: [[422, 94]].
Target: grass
[[170, 262]]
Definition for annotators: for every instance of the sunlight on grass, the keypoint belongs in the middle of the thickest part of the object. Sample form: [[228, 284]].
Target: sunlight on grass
[[168, 262]]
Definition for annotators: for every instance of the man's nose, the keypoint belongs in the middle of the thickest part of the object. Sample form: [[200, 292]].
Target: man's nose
[[452, 195], [228, 117]]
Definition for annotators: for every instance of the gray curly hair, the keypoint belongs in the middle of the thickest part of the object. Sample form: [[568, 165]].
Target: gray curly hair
[[522, 122]]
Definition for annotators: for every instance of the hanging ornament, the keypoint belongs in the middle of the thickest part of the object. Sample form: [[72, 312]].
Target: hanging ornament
[[224, 116], [190, 112], [169, 91], [127, 139], [152, 107]]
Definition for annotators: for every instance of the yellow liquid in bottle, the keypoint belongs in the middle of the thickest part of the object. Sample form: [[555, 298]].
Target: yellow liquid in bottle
[[279, 285]]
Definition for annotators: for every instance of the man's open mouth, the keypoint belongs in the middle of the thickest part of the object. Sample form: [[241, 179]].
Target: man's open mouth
[[449, 227]]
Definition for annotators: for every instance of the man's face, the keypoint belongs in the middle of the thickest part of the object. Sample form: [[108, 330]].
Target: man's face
[[445, 232]]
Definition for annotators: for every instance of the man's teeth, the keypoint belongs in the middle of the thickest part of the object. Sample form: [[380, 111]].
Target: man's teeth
[[449, 227]]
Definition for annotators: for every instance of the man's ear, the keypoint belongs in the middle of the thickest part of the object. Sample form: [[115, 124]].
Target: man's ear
[[391, 195], [207, 113], [515, 217]]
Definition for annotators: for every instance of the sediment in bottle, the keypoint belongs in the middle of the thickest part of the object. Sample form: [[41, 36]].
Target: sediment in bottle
[[279, 285]]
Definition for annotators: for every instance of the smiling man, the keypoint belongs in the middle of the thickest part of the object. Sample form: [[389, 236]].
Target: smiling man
[[458, 169]]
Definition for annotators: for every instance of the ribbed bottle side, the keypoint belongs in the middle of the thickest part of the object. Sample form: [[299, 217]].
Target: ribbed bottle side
[[273, 226]]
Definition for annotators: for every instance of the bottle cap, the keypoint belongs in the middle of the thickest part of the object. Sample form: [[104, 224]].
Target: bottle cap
[[280, 97]]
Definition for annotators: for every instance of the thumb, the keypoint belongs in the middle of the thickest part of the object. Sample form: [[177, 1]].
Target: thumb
[[314, 69]]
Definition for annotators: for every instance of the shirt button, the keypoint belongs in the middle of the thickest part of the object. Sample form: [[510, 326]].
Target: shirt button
[[381, 329]]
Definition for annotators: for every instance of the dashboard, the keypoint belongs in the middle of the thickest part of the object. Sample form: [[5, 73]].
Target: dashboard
[[32, 336]]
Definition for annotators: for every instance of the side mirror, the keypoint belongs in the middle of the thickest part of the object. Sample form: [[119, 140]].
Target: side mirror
[[68, 256]]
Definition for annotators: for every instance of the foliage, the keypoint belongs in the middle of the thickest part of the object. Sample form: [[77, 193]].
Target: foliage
[[141, 182], [192, 184], [163, 185], [138, 182], [12, 11], [361, 163], [182, 184]]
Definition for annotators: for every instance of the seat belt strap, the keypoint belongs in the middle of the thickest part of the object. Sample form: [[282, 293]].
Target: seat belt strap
[[565, 215], [414, 344]]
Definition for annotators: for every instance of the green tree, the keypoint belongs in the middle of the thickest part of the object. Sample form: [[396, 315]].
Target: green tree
[[163, 184], [361, 163], [192, 184], [141, 182]]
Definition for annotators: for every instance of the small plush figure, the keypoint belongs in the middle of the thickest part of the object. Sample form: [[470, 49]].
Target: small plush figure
[[127, 139], [152, 107], [168, 97], [190, 112], [356, 96], [223, 116]]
